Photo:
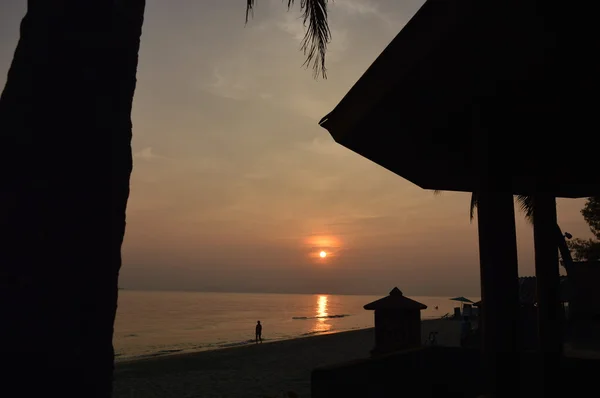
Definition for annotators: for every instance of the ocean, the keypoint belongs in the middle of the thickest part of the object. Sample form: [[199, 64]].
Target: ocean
[[161, 323]]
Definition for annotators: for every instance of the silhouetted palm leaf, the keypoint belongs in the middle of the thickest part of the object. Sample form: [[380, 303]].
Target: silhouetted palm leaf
[[473, 206], [317, 37], [525, 204]]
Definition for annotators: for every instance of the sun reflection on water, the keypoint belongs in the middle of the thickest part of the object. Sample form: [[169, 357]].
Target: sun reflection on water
[[322, 322], [322, 307]]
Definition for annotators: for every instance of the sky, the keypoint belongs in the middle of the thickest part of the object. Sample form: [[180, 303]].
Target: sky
[[237, 188]]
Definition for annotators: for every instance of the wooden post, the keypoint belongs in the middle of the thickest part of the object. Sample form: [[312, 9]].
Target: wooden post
[[548, 285], [499, 291]]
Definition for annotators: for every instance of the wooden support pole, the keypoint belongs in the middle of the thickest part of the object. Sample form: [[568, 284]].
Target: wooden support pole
[[548, 285]]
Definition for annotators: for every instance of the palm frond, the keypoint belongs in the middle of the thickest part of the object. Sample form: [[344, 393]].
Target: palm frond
[[249, 9], [473, 206], [526, 206], [318, 35]]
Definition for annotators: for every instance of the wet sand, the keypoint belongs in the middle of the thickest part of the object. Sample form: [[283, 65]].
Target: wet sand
[[262, 370]]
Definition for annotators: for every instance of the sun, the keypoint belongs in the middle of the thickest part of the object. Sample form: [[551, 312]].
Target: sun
[[323, 254]]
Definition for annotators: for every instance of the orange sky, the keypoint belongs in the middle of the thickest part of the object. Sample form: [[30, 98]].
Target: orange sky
[[236, 187]]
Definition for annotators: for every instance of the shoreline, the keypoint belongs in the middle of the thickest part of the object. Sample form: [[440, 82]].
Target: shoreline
[[226, 346], [229, 346], [254, 370]]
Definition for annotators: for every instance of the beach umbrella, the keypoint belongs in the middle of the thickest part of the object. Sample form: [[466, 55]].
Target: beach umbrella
[[461, 299]]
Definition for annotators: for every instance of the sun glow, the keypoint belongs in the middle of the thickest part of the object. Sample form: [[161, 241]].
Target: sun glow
[[322, 248]]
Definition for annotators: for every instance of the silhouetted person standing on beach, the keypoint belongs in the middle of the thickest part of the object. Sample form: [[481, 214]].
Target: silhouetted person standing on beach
[[258, 332]]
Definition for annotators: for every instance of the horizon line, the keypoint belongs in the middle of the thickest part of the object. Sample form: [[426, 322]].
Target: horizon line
[[278, 292]]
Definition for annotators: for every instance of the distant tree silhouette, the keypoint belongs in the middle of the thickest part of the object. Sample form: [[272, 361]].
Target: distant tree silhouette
[[589, 249], [65, 126], [591, 214]]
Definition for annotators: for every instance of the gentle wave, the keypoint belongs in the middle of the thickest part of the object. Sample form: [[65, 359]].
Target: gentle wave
[[313, 333], [320, 317], [160, 353], [119, 357], [238, 344]]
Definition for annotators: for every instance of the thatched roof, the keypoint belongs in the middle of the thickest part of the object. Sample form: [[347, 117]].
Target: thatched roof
[[395, 301], [467, 81]]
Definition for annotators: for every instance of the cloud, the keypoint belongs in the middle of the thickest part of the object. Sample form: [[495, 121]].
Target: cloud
[[232, 81], [358, 7], [324, 146], [147, 154], [291, 23], [362, 8]]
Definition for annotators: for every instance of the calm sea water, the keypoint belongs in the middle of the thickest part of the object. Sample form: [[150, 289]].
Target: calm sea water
[[159, 323]]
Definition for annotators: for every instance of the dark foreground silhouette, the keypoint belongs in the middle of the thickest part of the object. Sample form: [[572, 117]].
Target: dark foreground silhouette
[[65, 128]]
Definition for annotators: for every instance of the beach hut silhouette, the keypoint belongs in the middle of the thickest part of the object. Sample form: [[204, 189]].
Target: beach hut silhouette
[[397, 322]]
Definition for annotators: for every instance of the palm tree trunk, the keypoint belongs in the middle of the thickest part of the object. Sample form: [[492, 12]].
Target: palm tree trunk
[[499, 290], [64, 119]]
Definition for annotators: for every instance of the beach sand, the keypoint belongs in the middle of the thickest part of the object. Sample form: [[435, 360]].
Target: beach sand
[[262, 370]]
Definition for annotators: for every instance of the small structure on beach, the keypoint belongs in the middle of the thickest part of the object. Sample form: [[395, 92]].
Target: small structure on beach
[[397, 322]]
